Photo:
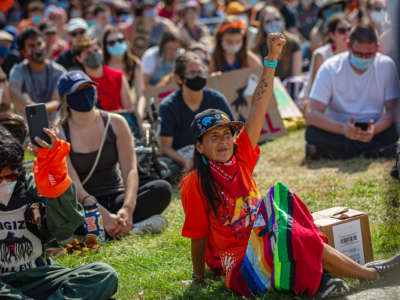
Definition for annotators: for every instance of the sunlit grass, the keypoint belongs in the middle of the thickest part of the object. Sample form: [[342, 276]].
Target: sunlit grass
[[152, 267]]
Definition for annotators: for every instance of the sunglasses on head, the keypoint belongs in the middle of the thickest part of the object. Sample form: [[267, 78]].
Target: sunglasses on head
[[10, 178], [343, 30], [112, 42], [269, 21], [76, 33]]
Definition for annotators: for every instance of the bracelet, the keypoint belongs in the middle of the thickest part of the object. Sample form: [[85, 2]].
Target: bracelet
[[270, 64]]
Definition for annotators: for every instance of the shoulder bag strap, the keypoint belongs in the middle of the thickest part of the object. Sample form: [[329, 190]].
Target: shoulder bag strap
[[99, 151]]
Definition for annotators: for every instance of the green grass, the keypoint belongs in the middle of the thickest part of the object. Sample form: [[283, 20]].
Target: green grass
[[152, 267]]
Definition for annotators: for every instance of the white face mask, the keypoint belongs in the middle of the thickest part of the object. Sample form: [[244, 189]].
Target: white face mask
[[6, 190], [378, 16], [233, 49]]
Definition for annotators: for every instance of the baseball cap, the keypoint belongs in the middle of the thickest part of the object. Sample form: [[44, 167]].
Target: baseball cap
[[211, 118], [77, 23], [236, 8], [69, 82]]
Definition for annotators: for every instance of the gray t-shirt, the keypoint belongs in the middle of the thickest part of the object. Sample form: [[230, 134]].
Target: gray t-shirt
[[40, 86]]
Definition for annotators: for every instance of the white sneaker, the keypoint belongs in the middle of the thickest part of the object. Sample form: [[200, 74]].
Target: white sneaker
[[154, 224]]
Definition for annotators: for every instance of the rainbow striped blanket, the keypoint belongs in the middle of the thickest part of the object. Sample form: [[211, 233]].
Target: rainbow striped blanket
[[285, 248]]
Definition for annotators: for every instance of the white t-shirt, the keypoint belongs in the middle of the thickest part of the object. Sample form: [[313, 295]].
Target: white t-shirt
[[348, 94], [149, 60]]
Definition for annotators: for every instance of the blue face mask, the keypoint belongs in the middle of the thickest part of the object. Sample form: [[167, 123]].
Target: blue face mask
[[118, 49], [4, 50], [99, 27], [273, 28], [83, 100], [361, 63], [36, 19]]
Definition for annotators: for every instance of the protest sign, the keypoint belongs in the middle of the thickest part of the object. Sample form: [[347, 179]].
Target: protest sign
[[286, 105], [238, 87]]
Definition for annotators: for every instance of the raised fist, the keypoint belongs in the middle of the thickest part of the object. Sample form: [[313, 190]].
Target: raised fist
[[275, 43]]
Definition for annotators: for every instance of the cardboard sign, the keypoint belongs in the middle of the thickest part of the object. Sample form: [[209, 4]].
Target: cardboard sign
[[286, 105], [238, 87], [140, 38]]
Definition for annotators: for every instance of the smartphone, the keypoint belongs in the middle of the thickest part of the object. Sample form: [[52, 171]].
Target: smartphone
[[36, 116], [363, 126]]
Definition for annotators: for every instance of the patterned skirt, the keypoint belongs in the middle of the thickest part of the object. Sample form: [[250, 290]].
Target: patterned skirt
[[285, 247]]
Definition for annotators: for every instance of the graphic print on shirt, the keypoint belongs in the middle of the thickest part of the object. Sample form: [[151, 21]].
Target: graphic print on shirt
[[243, 213], [19, 248]]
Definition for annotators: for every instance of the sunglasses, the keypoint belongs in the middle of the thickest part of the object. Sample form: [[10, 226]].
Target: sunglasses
[[36, 9], [76, 33], [343, 30], [378, 8], [269, 21], [10, 178], [113, 42]]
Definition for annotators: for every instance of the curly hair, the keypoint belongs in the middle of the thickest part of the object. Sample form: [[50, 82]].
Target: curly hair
[[11, 151]]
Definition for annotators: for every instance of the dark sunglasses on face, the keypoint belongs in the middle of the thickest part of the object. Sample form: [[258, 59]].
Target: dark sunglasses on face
[[362, 54], [378, 8], [269, 21], [112, 42], [36, 9], [76, 33], [10, 178], [343, 30]]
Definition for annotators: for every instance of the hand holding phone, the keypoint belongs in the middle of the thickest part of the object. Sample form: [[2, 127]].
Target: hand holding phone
[[362, 126], [36, 116]]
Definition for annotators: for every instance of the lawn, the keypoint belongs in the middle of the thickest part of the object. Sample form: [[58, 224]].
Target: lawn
[[152, 267]]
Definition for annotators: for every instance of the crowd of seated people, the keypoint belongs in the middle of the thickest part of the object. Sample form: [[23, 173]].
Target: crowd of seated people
[[92, 62]]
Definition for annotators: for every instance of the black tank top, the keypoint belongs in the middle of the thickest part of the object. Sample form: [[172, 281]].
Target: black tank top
[[106, 179]]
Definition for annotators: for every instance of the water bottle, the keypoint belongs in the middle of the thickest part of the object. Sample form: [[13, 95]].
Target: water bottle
[[93, 225]]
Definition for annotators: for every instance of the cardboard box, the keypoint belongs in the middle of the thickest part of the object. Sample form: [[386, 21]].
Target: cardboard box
[[347, 230]]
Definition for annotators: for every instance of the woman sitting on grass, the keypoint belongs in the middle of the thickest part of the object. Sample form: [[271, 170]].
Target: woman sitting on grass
[[259, 243], [110, 178]]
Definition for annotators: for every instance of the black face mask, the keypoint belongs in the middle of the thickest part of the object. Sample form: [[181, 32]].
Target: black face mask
[[196, 83], [83, 100]]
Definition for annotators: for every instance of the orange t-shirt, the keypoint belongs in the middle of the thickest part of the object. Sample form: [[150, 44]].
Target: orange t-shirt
[[229, 233]]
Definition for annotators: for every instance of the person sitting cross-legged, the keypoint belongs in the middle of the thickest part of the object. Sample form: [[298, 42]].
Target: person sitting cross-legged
[[352, 102], [102, 162]]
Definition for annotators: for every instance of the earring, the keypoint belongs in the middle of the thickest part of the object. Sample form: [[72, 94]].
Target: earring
[[203, 158]]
